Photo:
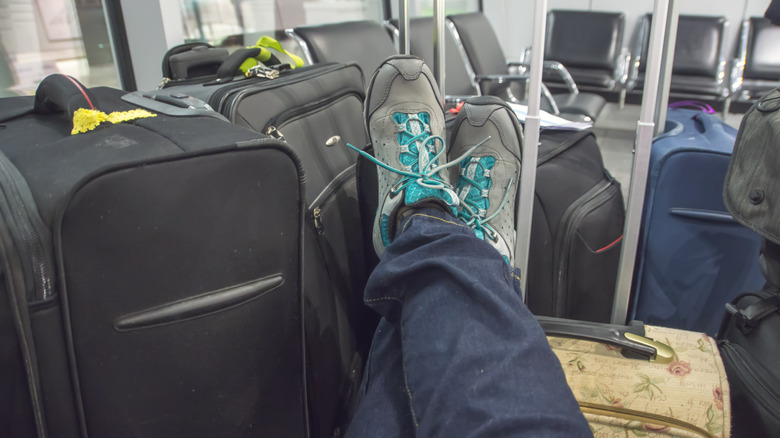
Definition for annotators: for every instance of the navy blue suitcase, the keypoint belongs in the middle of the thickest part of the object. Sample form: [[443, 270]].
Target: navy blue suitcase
[[693, 256]]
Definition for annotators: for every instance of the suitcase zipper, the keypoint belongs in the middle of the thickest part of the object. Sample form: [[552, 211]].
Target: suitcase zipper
[[756, 380], [293, 113], [571, 218], [30, 237], [30, 250], [336, 183], [644, 417], [320, 202], [317, 215]]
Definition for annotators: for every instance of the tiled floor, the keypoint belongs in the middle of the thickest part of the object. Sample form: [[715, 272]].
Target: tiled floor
[[616, 129]]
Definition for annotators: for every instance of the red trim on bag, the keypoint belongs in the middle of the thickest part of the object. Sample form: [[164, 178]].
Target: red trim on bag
[[83, 92], [610, 245]]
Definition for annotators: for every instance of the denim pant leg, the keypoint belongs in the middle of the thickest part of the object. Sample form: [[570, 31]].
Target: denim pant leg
[[382, 405], [474, 361]]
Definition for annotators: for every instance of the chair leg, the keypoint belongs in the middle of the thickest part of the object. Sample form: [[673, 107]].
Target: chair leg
[[726, 107], [622, 98]]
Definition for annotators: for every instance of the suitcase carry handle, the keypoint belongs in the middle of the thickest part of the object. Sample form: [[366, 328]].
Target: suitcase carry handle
[[707, 123], [232, 64], [181, 48], [631, 339], [60, 93]]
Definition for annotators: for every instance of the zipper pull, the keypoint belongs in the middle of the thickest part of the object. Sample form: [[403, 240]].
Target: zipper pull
[[275, 133], [317, 214], [164, 82]]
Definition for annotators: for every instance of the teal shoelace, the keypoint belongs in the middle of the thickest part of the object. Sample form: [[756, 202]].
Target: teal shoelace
[[473, 189], [421, 177]]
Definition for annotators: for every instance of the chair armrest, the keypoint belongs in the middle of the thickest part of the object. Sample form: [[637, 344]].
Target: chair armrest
[[622, 68], [735, 76], [501, 78], [633, 71], [558, 68]]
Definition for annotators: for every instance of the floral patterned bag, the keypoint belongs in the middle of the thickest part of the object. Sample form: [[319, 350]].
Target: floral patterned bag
[[622, 397]]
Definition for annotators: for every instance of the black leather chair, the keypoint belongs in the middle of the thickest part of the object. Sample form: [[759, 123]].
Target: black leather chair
[[757, 67], [366, 43], [699, 65], [589, 44], [480, 45], [460, 79]]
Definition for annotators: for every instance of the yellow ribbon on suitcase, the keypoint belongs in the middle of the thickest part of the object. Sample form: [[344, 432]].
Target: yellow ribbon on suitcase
[[621, 397], [264, 44]]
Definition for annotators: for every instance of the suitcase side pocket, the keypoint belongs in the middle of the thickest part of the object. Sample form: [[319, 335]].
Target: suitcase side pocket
[[589, 254]]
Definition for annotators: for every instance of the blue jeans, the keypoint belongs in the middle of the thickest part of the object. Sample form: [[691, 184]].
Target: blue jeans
[[457, 353]]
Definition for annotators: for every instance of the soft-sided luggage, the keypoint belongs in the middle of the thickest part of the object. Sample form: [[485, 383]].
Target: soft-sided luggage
[[750, 333], [693, 256], [642, 380], [576, 229], [315, 109], [152, 271]]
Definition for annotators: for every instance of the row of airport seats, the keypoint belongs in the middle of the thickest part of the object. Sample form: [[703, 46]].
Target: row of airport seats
[[475, 61], [584, 51], [590, 45]]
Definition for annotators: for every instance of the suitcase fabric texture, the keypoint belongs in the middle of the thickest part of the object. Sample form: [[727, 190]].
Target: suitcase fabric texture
[[575, 233], [686, 397], [693, 256], [750, 333], [151, 272], [576, 230], [316, 110]]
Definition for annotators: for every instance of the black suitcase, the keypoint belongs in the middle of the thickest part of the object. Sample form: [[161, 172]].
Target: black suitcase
[[750, 333], [316, 110], [748, 341], [576, 230], [151, 273]]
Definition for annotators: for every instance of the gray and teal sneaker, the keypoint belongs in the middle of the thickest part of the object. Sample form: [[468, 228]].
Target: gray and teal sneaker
[[489, 175], [405, 122]]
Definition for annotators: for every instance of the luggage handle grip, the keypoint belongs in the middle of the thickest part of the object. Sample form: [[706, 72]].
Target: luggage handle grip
[[705, 121], [60, 93], [633, 345], [230, 66]]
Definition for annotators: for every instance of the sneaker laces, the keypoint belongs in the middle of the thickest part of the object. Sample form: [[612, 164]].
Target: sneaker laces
[[420, 163], [474, 187]]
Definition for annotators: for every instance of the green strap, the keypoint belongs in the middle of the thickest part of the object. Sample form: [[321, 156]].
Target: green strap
[[264, 43]]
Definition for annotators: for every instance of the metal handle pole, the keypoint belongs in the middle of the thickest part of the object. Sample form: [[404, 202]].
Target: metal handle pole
[[525, 203], [667, 59], [642, 145], [438, 45], [403, 27]]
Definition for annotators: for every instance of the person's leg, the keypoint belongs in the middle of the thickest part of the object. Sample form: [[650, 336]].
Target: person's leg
[[382, 407], [473, 361]]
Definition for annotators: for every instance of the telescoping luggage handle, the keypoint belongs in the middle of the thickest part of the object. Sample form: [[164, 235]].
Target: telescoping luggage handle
[[664, 15], [631, 339], [438, 39]]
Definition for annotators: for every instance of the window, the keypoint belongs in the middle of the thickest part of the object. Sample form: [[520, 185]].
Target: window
[[42, 37], [238, 22]]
